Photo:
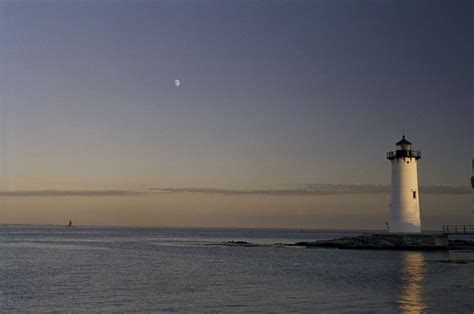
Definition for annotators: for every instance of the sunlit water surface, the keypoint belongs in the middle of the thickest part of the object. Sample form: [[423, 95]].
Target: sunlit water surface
[[162, 269]]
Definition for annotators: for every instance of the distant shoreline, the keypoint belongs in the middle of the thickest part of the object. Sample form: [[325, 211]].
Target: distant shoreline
[[302, 230]]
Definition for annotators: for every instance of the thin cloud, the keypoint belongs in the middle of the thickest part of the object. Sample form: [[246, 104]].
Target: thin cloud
[[40, 193], [298, 190], [318, 189], [449, 190], [312, 189]]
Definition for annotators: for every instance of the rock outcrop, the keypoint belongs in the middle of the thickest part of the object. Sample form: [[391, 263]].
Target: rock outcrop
[[461, 245], [385, 242]]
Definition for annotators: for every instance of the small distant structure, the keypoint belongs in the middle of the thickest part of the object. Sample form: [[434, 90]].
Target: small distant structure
[[69, 223], [458, 229], [404, 194]]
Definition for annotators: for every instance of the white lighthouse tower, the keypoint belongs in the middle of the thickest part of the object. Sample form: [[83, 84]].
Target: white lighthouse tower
[[404, 195]]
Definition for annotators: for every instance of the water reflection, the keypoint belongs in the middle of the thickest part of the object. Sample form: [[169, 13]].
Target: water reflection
[[410, 299]]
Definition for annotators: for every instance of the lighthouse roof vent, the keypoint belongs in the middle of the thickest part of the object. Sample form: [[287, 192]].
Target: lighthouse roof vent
[[403, 141]]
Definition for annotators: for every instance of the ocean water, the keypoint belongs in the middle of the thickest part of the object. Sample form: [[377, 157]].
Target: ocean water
[[191, 270]]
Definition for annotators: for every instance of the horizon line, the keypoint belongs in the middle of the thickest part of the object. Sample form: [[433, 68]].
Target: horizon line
[[298, 190]]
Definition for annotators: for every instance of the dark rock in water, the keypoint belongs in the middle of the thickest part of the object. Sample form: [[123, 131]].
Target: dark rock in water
[[456, 261], [384, 242], [239, 243], [461, 245]]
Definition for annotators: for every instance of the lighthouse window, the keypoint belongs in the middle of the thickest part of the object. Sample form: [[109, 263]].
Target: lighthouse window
[[414, 194]]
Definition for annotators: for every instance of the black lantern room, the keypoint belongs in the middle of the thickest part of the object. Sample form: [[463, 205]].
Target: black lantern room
[[403, 150]]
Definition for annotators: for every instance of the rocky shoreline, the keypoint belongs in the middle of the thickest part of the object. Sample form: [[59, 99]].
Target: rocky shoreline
[[419, 242]]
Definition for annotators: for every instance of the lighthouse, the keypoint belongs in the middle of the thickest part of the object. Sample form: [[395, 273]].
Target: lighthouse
[[404, 194]]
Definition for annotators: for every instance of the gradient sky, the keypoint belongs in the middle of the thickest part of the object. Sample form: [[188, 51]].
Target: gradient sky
[[274, 95]]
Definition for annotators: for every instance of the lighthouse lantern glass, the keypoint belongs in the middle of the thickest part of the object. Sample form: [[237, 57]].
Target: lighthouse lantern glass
[[404, 147]]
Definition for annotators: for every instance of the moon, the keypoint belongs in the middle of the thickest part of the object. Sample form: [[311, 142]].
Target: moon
[[177, 83]]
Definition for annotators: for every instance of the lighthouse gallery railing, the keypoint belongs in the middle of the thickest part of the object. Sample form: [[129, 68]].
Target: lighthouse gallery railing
[[458, 229], [404, 153]]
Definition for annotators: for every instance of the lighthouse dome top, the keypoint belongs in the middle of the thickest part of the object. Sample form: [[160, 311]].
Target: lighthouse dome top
[[403, 151], [403, 141]]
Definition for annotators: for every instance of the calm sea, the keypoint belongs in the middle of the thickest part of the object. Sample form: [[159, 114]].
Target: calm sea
[[188, 270]]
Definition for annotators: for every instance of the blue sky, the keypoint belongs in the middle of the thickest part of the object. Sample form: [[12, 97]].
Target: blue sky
[[273, 93]]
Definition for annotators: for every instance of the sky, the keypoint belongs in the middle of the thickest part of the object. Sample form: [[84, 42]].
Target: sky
[[283, 117]]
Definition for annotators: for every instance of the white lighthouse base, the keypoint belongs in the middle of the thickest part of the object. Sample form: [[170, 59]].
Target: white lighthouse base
[[405, 225]]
